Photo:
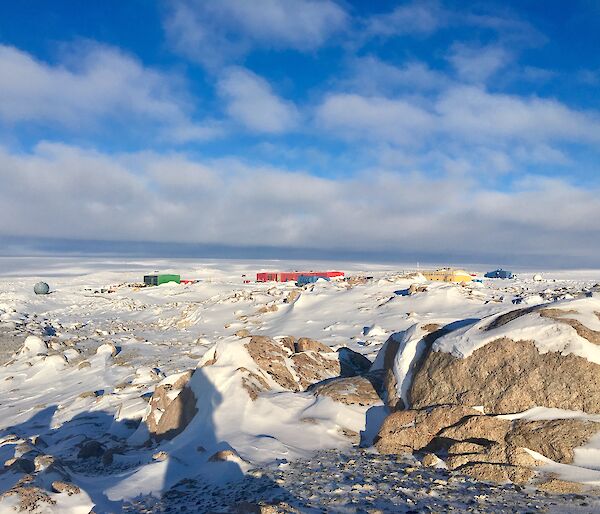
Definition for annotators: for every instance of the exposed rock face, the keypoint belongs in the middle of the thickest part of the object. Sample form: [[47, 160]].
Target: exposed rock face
[[310, 362], [497, 472], [269, 364], [359, 390], [352, 362], [172, 407], [481, 428], [31, 497], [59, 486], [411, 430], [271, 358], [305, 344], [485, 447], [430, 333], [253, 383], [553, 484], [389, 378], [554, 439], [224, 456], [507, 376]]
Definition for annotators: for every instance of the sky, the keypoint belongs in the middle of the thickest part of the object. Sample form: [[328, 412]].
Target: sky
[[429, 129]]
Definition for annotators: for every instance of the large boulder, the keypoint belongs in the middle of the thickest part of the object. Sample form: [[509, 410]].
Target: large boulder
[[507, 376], [534, 357], [507, 363]]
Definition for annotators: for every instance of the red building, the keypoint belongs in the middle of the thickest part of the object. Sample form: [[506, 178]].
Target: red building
[[286, 276]]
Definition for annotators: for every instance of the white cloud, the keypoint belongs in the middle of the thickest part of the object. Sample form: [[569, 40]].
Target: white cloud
[[372, 76], [462, 113], [214, 32], [98, 84], [469, 111], [251, 101], [374, 118], [478, 64], [63, 191], [418, 17]]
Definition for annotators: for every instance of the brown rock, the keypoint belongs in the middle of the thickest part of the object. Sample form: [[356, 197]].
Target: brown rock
[[312, 367], [90, 449], [271, 358], [358, 390], [20, 464], [417, 288], [461, 447], [593, 336], [181, 382], [554, 439], [30, 496], [242, 333], [289, 342], [264, 508], [433, 332], [353, 363], [429, 460], [58, 486], [507, 376], [172, 407], [253, 383], [224, 455], [292, 296], [389, 378], [552, 484], [306, 344], [268, 308], [477, 429], [497, 472], [409, 430], [520, 457], [177, 415]]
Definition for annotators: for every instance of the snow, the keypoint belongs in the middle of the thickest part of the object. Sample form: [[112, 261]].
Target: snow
[[549, 335], [80, 363]]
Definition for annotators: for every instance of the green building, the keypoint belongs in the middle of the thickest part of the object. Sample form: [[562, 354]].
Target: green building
[[156, 280]]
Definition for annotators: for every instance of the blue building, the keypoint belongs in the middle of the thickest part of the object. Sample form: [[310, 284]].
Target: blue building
[[499, 273], [309, 279]]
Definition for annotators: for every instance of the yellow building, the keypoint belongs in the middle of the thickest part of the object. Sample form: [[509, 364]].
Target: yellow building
[[447, 275]]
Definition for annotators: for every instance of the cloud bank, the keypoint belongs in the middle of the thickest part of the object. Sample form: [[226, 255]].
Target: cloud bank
[[65, 192]]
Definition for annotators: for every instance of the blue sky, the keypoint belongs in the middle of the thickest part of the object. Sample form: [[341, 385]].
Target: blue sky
[[430, 127]]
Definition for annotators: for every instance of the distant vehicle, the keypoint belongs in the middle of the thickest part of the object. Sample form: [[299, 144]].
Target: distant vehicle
[[499, 273]]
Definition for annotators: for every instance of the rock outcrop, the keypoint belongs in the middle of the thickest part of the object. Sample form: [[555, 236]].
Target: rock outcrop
[[461, 383], [308, 363], [262, 364], [507, 376], [485, 447], [172, 407], [412, 430], [359, 390]]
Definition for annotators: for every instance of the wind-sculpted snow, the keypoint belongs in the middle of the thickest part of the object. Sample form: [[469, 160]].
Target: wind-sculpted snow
[[112, 392]]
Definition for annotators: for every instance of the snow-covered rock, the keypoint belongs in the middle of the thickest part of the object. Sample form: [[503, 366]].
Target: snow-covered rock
[[34, 345]]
